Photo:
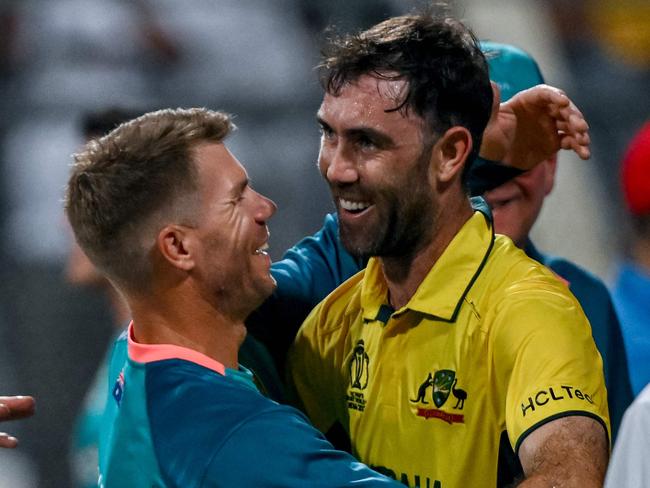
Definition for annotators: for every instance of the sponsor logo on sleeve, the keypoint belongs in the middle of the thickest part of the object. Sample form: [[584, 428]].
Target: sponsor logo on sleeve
[[552, 395]]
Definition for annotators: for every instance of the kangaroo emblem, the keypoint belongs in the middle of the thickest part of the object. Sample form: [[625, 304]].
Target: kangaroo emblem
[[422, 390]]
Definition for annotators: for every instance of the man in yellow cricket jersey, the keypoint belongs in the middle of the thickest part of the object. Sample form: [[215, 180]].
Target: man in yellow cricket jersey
[[453, 360]]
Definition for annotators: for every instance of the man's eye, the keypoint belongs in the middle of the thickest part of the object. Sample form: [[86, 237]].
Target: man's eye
[[326, 132], [366, 143], [237, 198]]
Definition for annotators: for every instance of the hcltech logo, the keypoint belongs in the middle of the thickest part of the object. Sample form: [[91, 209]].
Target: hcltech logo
[[118, 389], [359, 373], [442, 384], [551, 395]]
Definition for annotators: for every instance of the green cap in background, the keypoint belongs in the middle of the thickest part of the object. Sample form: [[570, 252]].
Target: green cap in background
[[511, 68]]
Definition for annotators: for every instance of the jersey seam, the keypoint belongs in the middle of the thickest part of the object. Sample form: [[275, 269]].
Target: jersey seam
[[568, 413]]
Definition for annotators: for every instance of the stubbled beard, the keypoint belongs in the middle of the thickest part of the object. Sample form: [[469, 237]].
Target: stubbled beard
[[404, 219], [400, 232]]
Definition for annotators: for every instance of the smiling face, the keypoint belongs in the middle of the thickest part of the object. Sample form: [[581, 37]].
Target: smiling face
[[231, 232], [377, 164], [516, 204]]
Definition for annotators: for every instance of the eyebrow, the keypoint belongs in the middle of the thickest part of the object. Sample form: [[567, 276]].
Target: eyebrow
[[378, 137]]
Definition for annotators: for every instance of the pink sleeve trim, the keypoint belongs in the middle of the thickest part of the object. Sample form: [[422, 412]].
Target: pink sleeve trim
[[147, 353], [562, 279]]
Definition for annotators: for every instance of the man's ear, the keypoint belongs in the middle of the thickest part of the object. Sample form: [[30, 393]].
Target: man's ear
[[452, 150], [175, 244], [549, 177]]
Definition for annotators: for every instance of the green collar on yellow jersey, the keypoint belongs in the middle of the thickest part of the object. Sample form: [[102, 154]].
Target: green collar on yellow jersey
[[442, 291]]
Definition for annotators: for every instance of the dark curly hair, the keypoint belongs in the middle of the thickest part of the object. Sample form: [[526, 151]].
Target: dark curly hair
[[439, 57]]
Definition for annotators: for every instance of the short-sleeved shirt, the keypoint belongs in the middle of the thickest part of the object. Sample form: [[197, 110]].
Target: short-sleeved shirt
[[491, 344], [177, 418], [597, 304]]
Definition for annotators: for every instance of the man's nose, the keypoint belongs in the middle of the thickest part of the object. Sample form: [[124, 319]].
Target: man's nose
[[341, 168], [266, 210]]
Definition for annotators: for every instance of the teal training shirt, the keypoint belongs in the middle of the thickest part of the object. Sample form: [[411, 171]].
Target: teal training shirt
[[176, 418]]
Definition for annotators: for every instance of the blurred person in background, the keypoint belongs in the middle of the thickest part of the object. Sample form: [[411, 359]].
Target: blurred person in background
[[631, 290], [515, 207]]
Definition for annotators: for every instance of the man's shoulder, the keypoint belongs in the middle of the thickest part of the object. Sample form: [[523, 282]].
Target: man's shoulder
[[509, 271], [574, 274], [177, 383], [193, 412]]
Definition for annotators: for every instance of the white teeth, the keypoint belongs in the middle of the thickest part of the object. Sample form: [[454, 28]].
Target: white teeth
[[262, 250], [352, 206]]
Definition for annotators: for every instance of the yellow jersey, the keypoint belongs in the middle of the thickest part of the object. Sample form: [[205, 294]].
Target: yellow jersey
[[491, 345]]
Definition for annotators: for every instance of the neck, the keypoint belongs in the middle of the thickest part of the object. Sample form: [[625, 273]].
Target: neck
[[404, 274], [120, 309], [184, 320]]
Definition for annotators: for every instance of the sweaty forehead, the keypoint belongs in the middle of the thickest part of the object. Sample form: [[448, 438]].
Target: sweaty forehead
[[368, 101]]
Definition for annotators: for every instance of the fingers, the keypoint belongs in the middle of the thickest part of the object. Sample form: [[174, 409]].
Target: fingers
[[16, 407], [575, 125], [575, 135], [573, 130], [12, 408], [577, 132], [579, 144], [581, 150], [570, 113], [546, 95], [546, 120], [549, 100], [568, 117], [7, 440]]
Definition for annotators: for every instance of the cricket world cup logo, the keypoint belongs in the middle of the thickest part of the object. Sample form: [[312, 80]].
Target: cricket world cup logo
[[359, 366]]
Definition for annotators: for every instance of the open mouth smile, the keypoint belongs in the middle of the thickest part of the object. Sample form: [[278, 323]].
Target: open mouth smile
[[262, 250], [352, 206]]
